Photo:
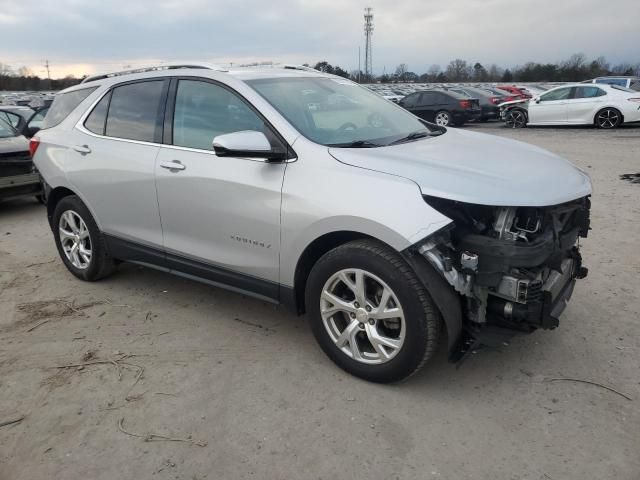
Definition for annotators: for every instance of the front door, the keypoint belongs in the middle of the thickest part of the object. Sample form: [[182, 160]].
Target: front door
[[220, 215], [550, 107]]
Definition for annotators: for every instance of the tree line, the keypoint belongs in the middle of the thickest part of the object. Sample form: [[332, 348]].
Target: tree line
[[23, 79], [575, 69]]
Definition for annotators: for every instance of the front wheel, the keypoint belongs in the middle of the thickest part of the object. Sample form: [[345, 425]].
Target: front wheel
[[608, 118], [370, 313], [79, 241], [515, 118]]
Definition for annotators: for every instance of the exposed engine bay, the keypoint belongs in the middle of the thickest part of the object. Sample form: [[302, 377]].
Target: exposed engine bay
[[515, 267]]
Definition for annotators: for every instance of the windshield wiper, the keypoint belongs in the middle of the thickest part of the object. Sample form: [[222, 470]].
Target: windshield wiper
[[356, 144], [415, 136]]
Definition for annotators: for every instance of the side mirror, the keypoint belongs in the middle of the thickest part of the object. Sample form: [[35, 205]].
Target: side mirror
[[248, 143], [537, 100]]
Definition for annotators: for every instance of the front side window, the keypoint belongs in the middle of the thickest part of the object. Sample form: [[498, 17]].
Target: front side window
[[363, 116], [559, 94], [63, 104], [135, 111], [589, 92], [205, 110]]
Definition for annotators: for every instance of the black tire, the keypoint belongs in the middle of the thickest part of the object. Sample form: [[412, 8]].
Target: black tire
[[516, 118], [608, 118], [422, 320], [443, 114], [101, 264]]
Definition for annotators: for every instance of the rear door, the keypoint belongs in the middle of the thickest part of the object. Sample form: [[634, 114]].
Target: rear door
[[220, 215], [584, 103], [550, 107], [426, 106], [112, 161]]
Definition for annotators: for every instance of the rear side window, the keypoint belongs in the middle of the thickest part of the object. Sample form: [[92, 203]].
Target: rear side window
[[96, 121], [589, 92], [136, 111], [63, 104]]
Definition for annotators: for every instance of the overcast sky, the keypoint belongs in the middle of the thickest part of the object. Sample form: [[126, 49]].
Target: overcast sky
[[83, 36]]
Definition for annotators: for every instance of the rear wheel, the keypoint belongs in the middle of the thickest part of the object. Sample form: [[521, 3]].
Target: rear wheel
[[608, 118], [443, 118], [79, 241], [370, 313], [516, 118]]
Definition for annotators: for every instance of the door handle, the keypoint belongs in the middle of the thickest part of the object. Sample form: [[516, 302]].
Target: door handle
[[83, 149], [173, 165]]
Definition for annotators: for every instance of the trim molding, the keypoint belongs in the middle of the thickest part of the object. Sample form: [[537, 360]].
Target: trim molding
[[193, 269]]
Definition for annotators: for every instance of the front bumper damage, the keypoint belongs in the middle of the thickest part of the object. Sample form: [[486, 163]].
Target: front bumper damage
[[513, 269]]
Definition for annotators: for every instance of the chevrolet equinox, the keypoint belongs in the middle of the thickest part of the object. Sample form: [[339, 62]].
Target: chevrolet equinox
[[305, 189]]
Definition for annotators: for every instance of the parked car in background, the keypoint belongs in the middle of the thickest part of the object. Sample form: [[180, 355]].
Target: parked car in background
[[518, 92], [605, 106], [504, 95], [442, 107], [383, 228], [18, 177], [26, 120], [630, 82], [488, 101]]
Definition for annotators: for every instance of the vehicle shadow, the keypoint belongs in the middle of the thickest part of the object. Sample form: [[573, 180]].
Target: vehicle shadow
[[13, 208]]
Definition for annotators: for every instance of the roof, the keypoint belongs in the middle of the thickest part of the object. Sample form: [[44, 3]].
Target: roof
[[243, 73]]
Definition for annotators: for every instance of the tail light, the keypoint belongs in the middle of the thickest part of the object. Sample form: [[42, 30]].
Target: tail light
[[34, 143], [494, 100], [465, 103]]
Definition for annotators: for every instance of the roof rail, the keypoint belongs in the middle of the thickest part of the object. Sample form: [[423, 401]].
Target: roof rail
[[166, 66], [287, 66]]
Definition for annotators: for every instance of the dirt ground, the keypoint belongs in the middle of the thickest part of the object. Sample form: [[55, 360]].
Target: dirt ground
[[196, 382]]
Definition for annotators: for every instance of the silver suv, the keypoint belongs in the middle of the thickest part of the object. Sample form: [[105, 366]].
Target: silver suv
[[301, 188]]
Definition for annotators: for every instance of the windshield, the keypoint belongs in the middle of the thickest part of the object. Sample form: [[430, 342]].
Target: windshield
[[337, 112], [6, 130]]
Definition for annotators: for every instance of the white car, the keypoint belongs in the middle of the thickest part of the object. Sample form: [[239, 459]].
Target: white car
[[605, 106]]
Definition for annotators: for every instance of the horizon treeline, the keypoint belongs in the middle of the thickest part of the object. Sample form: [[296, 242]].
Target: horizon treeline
[[574, 69]]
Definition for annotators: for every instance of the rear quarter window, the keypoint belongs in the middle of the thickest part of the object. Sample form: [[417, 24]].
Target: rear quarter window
[[63, 104]]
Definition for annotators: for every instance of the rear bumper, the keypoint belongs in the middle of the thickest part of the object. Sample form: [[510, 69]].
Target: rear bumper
[[20, 185]]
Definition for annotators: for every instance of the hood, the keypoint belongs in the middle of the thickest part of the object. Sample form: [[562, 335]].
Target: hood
[[476, 168], [14, 144]]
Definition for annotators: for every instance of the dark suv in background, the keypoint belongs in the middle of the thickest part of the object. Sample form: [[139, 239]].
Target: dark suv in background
[[442, 107]]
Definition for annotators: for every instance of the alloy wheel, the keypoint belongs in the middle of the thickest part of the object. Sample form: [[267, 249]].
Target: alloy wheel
[[75, 239], [362, 316], [442, 119], [608, 118], [515, 119]]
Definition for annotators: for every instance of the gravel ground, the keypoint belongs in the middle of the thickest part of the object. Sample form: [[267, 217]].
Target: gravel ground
[[244, 392]]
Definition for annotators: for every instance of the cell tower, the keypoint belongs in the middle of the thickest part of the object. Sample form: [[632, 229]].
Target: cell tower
[[368, 31]]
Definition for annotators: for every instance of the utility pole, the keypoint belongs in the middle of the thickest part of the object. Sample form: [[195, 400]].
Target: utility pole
[[359, 68], [46, 65], [368, 32]]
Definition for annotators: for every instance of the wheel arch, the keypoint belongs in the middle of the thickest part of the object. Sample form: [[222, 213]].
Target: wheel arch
[[53, 198], [608, 107], [310, 255]]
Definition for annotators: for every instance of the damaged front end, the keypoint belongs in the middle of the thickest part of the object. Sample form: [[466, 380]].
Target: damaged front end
[[514, 268]]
